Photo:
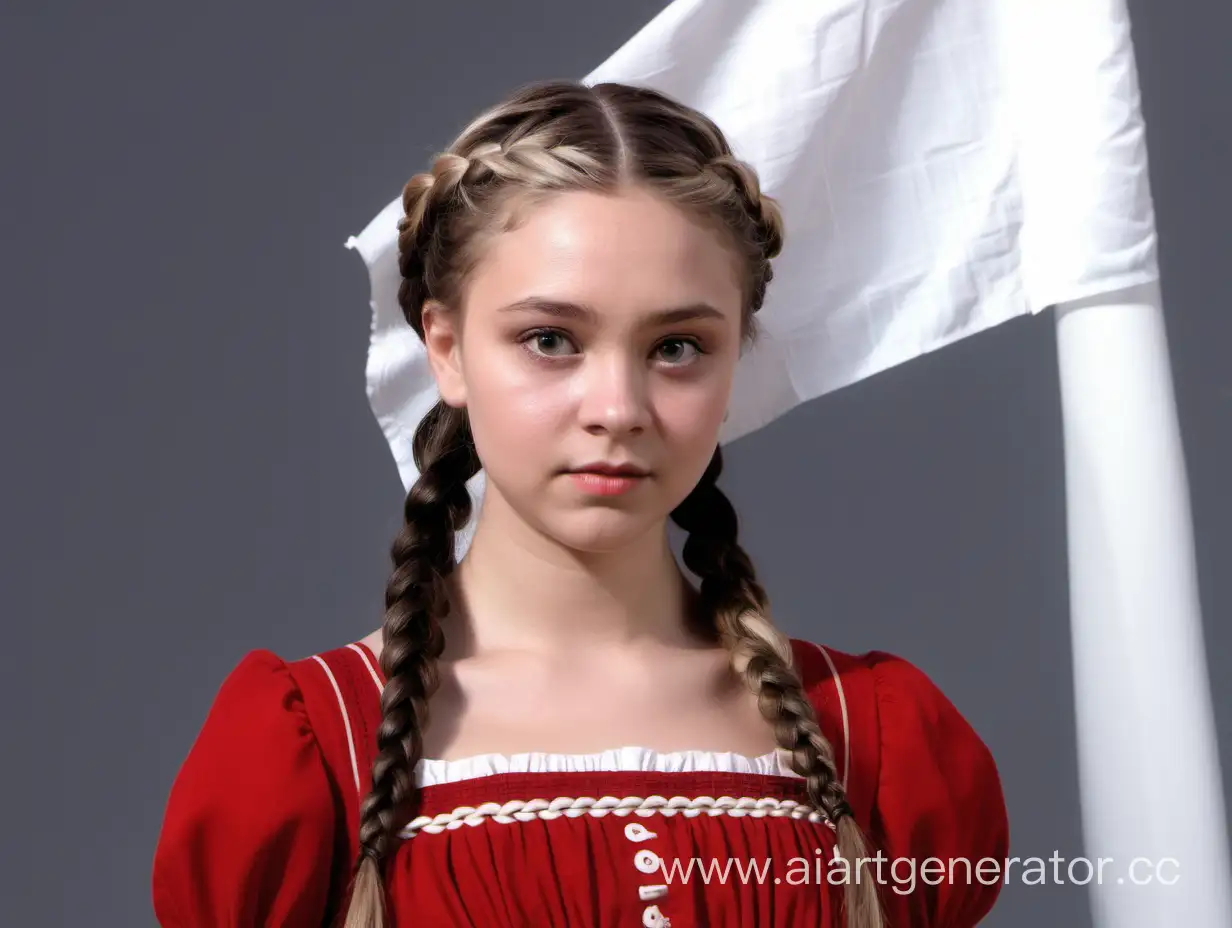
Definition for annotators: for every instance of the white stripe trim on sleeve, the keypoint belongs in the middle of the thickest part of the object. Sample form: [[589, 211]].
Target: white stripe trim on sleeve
[[346, 719], [367, 663], [842, 705]]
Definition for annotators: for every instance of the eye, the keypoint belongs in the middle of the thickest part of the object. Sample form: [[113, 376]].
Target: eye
[[676, 351], [547, 342]]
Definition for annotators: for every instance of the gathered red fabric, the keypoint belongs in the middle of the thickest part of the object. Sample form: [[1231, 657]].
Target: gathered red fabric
[[262, 821]]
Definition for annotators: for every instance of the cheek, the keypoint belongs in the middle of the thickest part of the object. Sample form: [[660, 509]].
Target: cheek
[[694, 413], [690, 422], [513, 412]]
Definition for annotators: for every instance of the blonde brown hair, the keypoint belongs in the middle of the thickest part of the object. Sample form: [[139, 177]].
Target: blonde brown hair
[[548, 137]]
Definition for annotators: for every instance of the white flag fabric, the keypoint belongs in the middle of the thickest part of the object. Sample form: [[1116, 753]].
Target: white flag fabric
[[942, 166]]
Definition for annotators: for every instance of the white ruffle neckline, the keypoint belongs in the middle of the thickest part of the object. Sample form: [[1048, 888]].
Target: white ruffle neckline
[[433, 772]]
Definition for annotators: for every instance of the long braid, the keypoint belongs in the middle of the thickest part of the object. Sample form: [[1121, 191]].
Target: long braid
[[415, 603], [732, 595], [437, 505]]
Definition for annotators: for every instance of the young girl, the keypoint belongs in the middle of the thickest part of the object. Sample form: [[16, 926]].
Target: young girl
[[563, 729]]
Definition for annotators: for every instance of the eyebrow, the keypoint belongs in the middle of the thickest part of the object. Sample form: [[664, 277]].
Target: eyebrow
[[566, 309]]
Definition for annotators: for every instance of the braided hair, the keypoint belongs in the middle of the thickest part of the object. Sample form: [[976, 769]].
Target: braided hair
[[737, 604], [546, 137]]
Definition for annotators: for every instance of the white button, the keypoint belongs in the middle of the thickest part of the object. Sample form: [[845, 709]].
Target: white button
[[653, 918], [651, 893], [635, 831], [647, 861]]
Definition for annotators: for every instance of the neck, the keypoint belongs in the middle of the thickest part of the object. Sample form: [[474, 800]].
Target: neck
[[517, 589]]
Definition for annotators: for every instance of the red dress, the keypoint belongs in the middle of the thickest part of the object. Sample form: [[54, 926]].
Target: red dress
[[261, 822]]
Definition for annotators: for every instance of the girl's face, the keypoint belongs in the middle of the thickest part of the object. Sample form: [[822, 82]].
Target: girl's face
[[602, 329]]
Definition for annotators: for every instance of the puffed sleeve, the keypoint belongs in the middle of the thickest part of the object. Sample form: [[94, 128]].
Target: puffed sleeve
[[250, 826], [939, 806]]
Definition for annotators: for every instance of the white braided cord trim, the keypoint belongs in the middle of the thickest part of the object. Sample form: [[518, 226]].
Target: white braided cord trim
[[520, 810]]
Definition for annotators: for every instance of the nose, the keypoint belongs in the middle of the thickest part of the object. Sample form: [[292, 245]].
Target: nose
[[614, 396]]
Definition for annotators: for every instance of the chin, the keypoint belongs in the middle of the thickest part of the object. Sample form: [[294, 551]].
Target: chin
[[600, 530]]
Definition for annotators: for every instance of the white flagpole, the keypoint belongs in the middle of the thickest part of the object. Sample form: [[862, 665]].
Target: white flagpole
[[1148, 762]]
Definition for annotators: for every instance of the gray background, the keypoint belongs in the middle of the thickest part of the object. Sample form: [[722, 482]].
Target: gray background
[[197, 472]]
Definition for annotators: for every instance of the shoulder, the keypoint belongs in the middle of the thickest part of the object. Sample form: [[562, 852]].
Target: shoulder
[[926, 783], [258, 713], [821, 666], [259, 693], [906, 702], [258, 791], [255, 753], [292, 712]]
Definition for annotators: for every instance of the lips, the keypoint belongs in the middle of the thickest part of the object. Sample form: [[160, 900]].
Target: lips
[[594, 483], [610, 470]]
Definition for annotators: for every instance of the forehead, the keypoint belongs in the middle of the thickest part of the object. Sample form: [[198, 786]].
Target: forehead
[[625, 253]]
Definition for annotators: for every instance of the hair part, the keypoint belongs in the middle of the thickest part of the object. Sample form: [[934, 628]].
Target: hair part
[[546, 138]]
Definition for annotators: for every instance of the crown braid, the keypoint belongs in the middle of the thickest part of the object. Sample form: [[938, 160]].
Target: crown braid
[[731, 593], [766, 216], [453, 185], [415, 602]]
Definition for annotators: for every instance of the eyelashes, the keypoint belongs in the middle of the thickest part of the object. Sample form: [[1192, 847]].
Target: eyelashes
[[532, 342]]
